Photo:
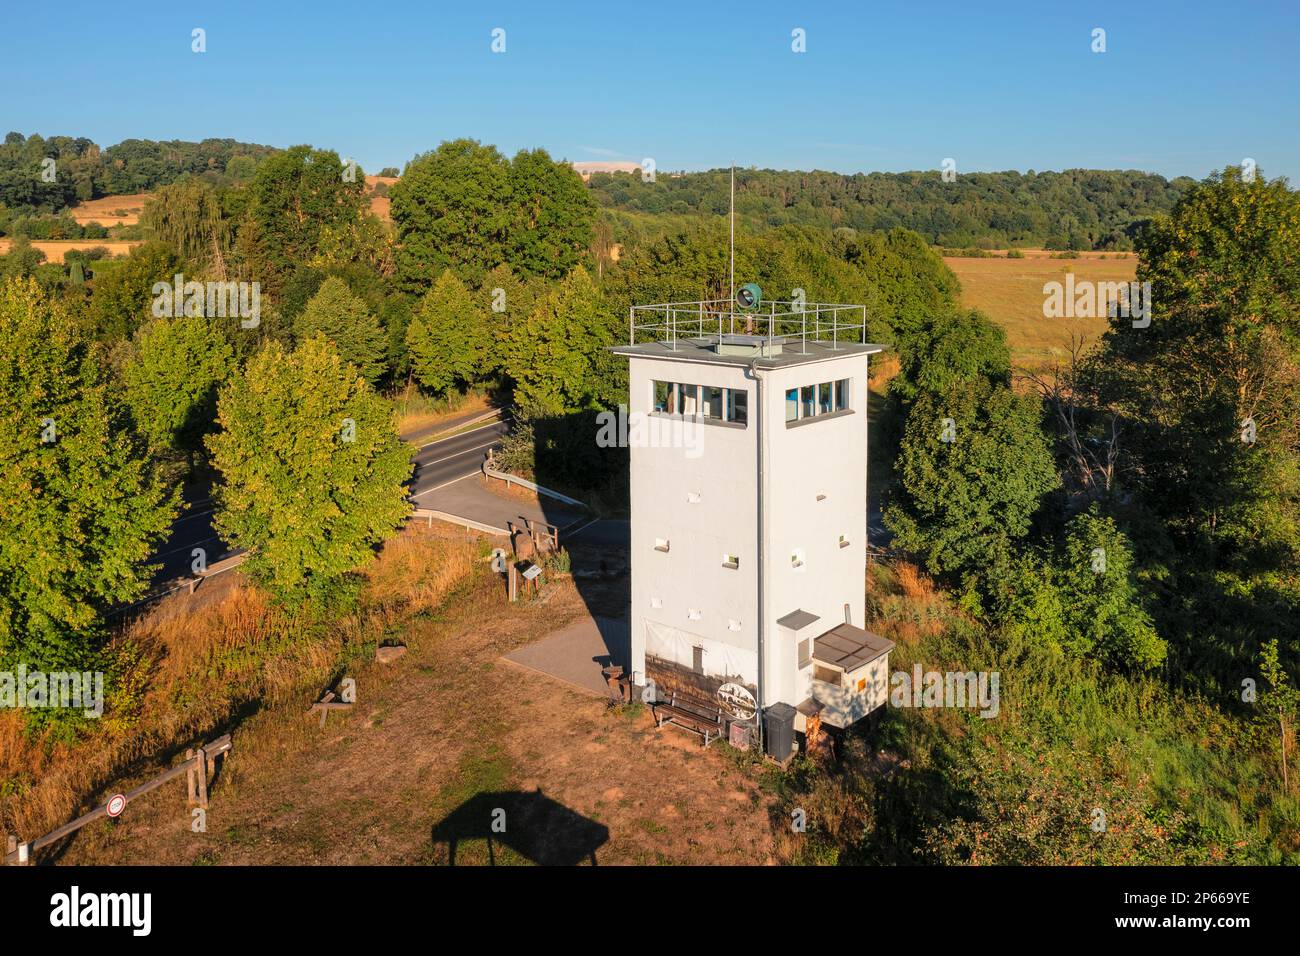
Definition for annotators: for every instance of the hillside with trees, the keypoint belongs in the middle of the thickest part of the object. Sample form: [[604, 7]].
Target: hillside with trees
[[84, 170], [1073, 209]]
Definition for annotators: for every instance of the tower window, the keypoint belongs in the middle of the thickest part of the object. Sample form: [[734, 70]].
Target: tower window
[[737, 406], [688, 397], [712, 402]]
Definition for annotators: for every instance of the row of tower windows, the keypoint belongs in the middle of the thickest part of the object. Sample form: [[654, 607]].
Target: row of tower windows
[[810, 401], [709, 402]]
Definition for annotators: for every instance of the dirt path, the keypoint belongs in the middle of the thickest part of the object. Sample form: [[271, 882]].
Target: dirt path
[[438, 741]]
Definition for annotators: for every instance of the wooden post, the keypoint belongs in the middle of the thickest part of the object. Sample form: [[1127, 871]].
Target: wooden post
[[514, 581], [191, 785], [201, 775]]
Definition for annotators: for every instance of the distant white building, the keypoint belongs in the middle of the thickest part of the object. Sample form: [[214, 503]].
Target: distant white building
[[749, 507], [585, 169]]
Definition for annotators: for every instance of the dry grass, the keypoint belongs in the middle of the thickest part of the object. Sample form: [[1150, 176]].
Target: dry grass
[[1010, 292], [912, 582], [189, 665], [883, 368], [435, 733], [902, 603], [111, 210], [419, 414], [380, 206], [419, 569], [56, 249]]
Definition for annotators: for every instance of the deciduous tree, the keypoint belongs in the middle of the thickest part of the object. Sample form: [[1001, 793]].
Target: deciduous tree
[[83, 503], [312, 469], [344, 320], [172, 380]]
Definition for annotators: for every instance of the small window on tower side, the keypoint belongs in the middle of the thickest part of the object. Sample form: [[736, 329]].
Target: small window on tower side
[[824, 401], [738, 406], [842, 395], [792, 405], [808, 401], [688, 399], [712, 402], [663, 396]]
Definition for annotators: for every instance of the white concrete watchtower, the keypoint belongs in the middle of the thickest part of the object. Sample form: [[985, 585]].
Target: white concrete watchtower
[[748, 457]]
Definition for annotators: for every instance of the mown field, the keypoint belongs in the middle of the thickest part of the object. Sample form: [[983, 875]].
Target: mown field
[[111, 211], [56, 249], [1010, 292]]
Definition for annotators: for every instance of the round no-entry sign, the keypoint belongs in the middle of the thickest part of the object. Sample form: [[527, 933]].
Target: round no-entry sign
[[116, 804]]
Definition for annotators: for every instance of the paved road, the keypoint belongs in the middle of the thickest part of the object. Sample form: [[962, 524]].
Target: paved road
[[448, 459], [435, 465], [193, 529]]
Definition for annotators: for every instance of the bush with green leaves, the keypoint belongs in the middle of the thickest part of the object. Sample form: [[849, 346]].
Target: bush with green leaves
[[312, 469], [951, 348], [172, 379], [1082, 599], [123, 297], [974, 466], [84, 504]]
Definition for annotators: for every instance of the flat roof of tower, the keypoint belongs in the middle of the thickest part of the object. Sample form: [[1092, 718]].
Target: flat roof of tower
[[705, 349]]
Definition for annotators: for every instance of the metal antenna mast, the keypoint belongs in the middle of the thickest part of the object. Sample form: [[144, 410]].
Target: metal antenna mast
[[731, 278]]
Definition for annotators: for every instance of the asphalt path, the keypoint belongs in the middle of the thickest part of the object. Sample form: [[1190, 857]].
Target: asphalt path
[[435, 464]]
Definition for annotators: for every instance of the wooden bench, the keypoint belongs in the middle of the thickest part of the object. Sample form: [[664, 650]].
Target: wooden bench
[[690, 713]]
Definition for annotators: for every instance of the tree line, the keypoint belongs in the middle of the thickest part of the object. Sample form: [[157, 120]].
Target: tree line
[[1072, 209], [83, 171]]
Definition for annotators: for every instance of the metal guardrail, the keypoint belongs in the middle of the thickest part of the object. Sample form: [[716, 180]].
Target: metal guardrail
[[510, 479], [430, 514], [716, 318]]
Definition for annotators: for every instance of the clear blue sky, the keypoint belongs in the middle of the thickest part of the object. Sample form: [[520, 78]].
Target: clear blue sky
[[1184, 87]]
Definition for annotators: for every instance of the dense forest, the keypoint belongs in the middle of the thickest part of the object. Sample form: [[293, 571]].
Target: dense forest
[[42, 177], [1119, 539], [1074, 209]]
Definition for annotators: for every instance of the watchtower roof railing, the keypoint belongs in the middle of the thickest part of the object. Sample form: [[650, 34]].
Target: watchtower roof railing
[[714, 319]]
